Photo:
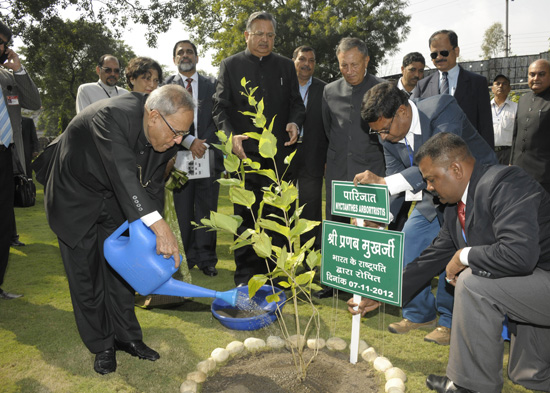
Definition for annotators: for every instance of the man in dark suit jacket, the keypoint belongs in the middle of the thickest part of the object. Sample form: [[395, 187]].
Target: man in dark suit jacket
[[30, 142], [404, 126], [107, 167], [275, 78], [198, 197], [18, 91], [531, 141], [499, 262], [309, 161], [470, 90], [350, 148]]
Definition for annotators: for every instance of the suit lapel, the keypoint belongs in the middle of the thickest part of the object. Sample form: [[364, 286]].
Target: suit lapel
[[433, 85], [462, 85], [478, 172]]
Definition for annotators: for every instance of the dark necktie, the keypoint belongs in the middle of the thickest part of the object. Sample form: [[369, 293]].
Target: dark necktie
[[444, 89], [461, 214], [189, 87]]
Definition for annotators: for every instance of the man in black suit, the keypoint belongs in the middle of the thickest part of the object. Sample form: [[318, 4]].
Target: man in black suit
[[107, 167], [197, 197], [531, 141], [275, 78], [495, 247], [469, 89], [404, 126], [18, 91], [310, 159]]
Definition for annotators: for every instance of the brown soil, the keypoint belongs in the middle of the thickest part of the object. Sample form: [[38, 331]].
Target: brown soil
[[274, 372]]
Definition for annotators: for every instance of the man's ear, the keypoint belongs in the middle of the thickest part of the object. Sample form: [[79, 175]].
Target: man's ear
[[457, 170]]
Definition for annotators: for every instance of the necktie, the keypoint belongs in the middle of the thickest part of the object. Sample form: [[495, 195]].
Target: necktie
[[444, 89], [461, 214], [5, 125], [189, 87]]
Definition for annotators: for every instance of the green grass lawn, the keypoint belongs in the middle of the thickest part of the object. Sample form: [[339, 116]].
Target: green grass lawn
[[41, 351]]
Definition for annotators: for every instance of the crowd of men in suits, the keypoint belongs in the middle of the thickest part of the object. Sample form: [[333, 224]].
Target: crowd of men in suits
[[433, 141]]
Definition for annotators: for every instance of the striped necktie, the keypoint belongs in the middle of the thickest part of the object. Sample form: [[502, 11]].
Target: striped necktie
[[5, 125], [189, 87], [444, 89]]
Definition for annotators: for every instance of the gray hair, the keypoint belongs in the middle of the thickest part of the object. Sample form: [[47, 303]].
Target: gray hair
[[348, 43], [169, 99], [261, 15]]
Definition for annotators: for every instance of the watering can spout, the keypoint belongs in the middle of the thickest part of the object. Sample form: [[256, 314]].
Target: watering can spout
[[174, 287], [136, 260]]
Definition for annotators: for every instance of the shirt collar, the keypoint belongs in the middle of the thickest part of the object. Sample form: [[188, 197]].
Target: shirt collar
[[195, 77], [452, 73], [415, 128], [107, 87], [465, 195]]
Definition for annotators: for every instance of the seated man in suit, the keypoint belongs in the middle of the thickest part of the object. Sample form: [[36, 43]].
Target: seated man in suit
[[404, 126], [495, 248], [108, 167]]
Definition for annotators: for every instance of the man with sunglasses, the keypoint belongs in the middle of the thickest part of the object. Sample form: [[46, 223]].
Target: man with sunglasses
[[403, 126], [108, 70], [469, 89], [18, 91], [108, 167]]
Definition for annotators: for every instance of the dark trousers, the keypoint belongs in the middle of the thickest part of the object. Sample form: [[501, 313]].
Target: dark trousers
[[193, 202], [6, 208], [310, 191], [103, 302]]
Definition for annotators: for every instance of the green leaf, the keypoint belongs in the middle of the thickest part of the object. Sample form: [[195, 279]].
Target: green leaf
[[281, 260], [274, 226], [270, 173], [240, 196], [268, 145], [248, 113], [314, 259], [303, 226], [253, 135], [251, 100], [222, 136], [261, 244], [255, 283], [244, 82], [229, 182], [223, 221], [261, 108], [273, 298], [259, 120], [289, 158], [305, 278], [231, 163], [252, 164]]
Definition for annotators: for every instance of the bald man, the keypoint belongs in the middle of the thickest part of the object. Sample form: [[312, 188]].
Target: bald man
[[531, 143]]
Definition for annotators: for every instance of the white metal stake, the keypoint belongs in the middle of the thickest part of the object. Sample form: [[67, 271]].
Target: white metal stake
[[355, 330]]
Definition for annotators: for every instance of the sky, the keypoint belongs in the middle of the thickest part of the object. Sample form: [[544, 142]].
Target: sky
[[528, 27]]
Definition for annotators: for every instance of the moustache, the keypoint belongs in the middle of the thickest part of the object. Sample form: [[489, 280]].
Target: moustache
[[441, 61], [306, 68]]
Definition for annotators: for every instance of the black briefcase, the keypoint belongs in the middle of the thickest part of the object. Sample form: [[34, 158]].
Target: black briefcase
[[25, 191]]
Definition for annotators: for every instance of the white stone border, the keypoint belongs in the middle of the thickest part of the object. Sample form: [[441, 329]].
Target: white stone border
[[395, 377]]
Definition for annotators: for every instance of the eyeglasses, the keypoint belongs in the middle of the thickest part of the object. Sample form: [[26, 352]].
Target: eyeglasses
[[2, 42], [261, 34], [443, 53], [384, 131], [109, 70], [177, 134]]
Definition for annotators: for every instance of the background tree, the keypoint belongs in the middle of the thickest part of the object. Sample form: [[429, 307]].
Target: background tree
[[320, 24], [494, 41], [62, 55]]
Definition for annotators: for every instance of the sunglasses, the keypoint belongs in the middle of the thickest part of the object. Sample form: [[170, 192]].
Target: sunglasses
[[109, 70], [2, 42], [177, 134], [443, 53]]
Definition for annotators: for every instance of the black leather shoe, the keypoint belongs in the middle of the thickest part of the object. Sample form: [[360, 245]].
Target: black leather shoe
[[324, 293], [17, 243], [210, 271], [442, 384], [137, 348], [105, 362], [8, 296]]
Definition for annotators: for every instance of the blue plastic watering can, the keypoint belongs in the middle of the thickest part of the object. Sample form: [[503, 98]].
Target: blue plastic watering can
[[136, 260]]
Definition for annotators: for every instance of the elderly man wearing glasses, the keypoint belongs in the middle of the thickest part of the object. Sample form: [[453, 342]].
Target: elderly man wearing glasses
[[107, 167], [108, 70], [403, 126], [469, 89]]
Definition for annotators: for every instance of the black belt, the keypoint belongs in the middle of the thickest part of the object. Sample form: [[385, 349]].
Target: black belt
[[4, 148], [501, 148]]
